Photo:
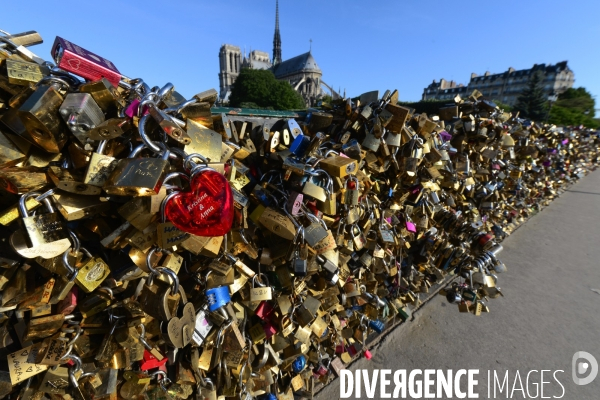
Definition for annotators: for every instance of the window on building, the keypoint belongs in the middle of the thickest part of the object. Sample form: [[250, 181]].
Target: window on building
[[230, 61]]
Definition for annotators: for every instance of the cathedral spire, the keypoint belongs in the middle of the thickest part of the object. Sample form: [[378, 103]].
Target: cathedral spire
[[276, 37]]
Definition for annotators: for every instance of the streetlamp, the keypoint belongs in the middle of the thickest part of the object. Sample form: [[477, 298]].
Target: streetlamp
[[552, 97]]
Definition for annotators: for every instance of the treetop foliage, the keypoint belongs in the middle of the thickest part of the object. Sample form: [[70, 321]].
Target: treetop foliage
[[262, 89]]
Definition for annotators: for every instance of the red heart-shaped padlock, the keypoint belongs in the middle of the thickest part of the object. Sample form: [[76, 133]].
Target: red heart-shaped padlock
[[207, 209]]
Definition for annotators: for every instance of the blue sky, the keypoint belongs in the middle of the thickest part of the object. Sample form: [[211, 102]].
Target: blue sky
[[360, 45]]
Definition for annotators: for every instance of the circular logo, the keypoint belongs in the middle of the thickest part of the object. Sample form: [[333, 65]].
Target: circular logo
[[95, 273]]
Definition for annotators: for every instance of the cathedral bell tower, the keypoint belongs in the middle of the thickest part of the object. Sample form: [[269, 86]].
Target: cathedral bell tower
[[276, 37]]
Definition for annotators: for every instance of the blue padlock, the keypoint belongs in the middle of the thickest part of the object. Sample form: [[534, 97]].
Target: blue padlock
[[218, 297], [377, 325], [299, 364], [267, 396], [300, 145]]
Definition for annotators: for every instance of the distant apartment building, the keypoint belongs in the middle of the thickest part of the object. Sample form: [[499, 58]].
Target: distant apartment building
[[506, 86]]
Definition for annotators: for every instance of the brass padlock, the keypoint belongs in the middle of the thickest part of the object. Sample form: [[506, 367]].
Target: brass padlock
[[24, 73], [263, 291], [92, 272], [43, 235], [277, 223], [104, 94], [100, 167], [166, 123], [138, 176], [71, 181], [329, 206], [40, 115], [339, 166]]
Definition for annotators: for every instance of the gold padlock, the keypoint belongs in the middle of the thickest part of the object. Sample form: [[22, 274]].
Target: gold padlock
[[100, 166], [42, 235], [137, 176], [40, 116]]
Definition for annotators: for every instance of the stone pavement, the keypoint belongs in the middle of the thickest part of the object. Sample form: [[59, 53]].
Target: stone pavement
[[550, 311]]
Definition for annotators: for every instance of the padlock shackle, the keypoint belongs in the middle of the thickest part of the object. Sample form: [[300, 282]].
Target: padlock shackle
[[163, 206], [299, 234], [173, 275], [72, 270], [137, 150], [73, 370], [23, 201], [144, 136], [149, 262], [321, 172], [206, 383], [200, 168], [102, 146], [189, 164], [165, 152], [166, 90], [78, 331], [54, 80], [107, 290], [140, 87], [185, 104], [258, 279]]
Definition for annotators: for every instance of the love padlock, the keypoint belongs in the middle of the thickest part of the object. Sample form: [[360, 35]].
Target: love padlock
[[207, 209]]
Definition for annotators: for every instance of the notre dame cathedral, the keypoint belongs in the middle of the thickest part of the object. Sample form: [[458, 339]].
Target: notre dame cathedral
[[302, 71]]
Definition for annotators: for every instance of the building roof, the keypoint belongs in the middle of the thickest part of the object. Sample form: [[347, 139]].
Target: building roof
[[259, 64], [558, 67], [302, 63]]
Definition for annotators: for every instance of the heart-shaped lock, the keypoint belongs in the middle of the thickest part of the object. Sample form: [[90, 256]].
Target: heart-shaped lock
[[180, 330], [206, 210]]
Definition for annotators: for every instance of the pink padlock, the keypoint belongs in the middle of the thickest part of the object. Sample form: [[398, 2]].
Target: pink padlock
[[352, 351], [132, 109], [368, 354], [269, 329], [320, 371], [294, 203], [82, 62], [411, 227], [264, 310], [67, 305]]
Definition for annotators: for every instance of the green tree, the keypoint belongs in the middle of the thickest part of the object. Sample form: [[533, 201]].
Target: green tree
[[327, 99], [503, 106], [532, 101], [261, 88], [574, 107]]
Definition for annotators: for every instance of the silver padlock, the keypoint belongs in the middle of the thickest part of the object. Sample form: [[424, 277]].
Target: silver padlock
[[81, 113], [315, 191]]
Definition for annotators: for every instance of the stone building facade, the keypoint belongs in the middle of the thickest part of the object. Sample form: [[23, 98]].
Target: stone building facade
[[505, 87], [231, 61], [302, 71]]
